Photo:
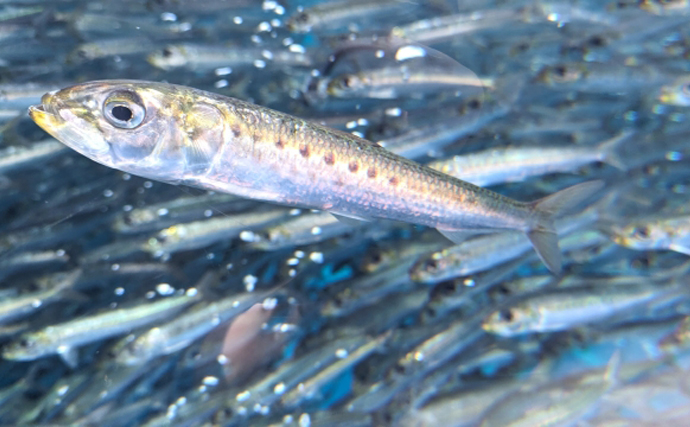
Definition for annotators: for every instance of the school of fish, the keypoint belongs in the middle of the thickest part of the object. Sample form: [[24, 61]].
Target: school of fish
[[344, 213]]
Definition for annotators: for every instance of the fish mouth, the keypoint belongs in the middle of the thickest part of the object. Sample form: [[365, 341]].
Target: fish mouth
[[45, 114]]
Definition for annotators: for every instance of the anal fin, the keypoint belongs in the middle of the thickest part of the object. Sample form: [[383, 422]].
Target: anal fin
[[350, 220], [70, 355], [458, 236], [546, 245]]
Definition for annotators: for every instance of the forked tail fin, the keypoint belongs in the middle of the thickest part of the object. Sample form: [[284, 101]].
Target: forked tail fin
[[543, 233]]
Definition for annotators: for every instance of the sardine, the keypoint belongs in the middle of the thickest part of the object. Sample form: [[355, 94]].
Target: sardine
[[182, 135], [513, 164], [671, 233], [564, 308], [64, 338]]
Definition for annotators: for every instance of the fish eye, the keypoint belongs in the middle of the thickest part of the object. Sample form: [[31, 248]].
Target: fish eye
[[24, 343], [503, 290], [506, 315], [641, 232], [167, 53], [302, 17], [474, 104], [597, 41], [560, 71], [430, 264], [347, 82], [124, 110]]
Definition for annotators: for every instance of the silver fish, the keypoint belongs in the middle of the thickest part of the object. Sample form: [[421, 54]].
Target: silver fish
[[514, 164], [64, 338], [182, 135]]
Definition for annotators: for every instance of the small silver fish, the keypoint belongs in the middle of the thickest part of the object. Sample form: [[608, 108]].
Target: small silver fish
[[513, 164], [670, 233], [64, 338], [181, 135], [564, 308]]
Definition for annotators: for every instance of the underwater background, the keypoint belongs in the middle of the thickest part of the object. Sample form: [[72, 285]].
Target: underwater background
[[125, 301]]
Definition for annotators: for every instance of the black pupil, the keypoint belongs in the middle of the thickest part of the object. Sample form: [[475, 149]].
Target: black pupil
[[122, 113]]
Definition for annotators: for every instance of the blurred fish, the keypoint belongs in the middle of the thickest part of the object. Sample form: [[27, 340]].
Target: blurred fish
[[514, 164], [438, 29], [25, 304], [182, 209], [461, 409], [565, 308], [208, 58], [486, 251], [301, 230], [604, 78], [186, 328], [308, 389], [14, 158], [660, 233], [64, 338], [110, 47], [556, 403], [391, 83], [199, 234], [420, 141], [338, 14], [20, 96]]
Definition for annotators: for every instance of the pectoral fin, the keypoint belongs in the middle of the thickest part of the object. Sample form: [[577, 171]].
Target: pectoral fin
[[351, 220], [70, 355], [457, 236]]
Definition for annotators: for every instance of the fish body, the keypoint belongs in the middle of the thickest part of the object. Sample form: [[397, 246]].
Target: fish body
[[184, 329], [182, 135], [512, 164], [661, 233], [63, 338], [562, 309], [203, 57], [391, 83]]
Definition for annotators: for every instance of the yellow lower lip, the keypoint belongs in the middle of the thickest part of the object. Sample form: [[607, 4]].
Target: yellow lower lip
[[48, 122]]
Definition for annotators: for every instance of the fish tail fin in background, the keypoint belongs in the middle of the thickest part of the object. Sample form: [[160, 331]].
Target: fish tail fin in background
[[609, 150], [543, 233]]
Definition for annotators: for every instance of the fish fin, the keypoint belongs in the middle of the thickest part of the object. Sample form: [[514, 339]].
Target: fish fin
[[681, 248], [457, 236], [612, 372], [559, 203], [71, 356], [609, 147], [543, 234], [545, 242], [350, 220]]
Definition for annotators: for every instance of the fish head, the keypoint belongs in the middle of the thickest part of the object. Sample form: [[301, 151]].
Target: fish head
[[346, 85], [511, 321], [29, 346], [158, 131], [168, 58], [561, 74], [676, 94], [641, 236], [433, 268], [137, 351], [302, 22]]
